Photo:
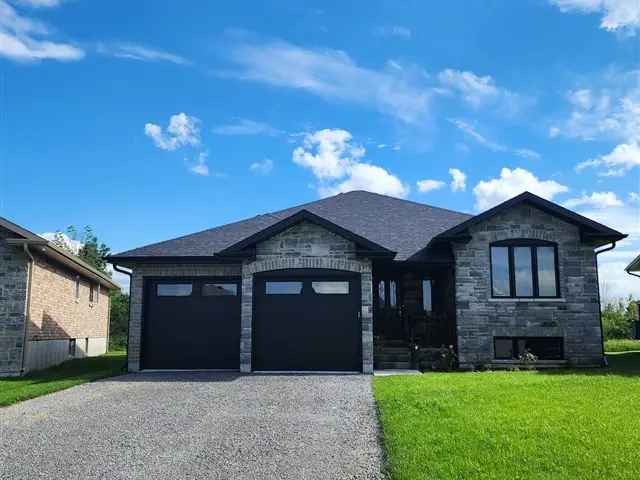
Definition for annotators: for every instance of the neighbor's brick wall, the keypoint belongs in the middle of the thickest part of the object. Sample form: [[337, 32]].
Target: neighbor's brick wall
[[307, 245], [139, 272], [575, 316], [13, 294], [54, 311]]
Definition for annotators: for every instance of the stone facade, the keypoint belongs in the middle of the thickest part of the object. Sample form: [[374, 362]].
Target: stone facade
[[574, 316], [13, 297], [139, 272], [304, 245]]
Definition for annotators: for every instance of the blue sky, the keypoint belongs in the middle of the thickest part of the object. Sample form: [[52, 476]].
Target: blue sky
[[148, 120]]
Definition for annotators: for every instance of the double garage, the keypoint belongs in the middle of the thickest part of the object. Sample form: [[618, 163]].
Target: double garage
[[303, 320]]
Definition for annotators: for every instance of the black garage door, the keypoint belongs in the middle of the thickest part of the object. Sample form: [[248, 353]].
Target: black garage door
[[191, 323], [307, 320]]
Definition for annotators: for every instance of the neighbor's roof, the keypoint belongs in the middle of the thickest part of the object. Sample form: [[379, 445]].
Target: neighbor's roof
[[634, 266], [49, 249], [398, 225]]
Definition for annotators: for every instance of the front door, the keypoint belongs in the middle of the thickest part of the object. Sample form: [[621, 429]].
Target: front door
[[388, 320]]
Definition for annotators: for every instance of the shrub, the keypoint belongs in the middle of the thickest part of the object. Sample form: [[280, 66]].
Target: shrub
[[446, 360], [622, 345], [618, 318]]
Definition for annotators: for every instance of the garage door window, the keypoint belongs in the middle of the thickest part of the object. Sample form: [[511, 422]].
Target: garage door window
[[330, 288], [219, 289], [283, 288], [174, 289]]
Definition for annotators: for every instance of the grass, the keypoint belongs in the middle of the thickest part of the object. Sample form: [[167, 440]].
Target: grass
[[622, 345], [65, 375], [514, 425]]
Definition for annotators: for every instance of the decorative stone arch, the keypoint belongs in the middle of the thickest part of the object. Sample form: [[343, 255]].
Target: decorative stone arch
[[356, 265]]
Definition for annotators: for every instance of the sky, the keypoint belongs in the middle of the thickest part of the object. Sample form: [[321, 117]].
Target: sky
[[152, 119]]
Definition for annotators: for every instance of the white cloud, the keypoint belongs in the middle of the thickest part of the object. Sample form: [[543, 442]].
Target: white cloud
[[338, 165], [39, 3], [244, 126], [71, 244], [620, 160], [617, 15], [393, 31], [511, 183], [132, 51], [363, 176], [490, 144], [425, 186], [595, 200], [24, 39], [634, 197], [332, 74], [479, 91], [199, 166], [262, 168], [329, 153], [182, 130], [458, 180]]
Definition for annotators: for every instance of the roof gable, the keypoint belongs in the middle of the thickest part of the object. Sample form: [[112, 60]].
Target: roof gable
[[591, 230], [303, 215]]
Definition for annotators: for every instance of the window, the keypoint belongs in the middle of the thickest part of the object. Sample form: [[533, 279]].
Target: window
[[545, 348], [98, 294], [219, 289], [283, 288], [393, 300], [381, 293], [72, 347], [524, 269], [174, 289], [427, 306], [77, 287], [330, 288], [92, 295]]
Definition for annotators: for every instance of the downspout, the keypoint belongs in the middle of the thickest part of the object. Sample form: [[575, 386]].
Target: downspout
[[128, 274], [27, 305], [598, 252]]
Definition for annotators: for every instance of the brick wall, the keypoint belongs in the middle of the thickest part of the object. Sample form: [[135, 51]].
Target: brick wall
[[13, 294], [574, 316], [56, 313]]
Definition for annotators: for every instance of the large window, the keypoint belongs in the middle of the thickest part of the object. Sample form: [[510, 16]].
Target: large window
[[524, 269], [545, 348]]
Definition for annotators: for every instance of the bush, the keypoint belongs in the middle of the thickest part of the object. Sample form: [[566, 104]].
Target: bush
[[118, 321], [622, 345], [618, 318]]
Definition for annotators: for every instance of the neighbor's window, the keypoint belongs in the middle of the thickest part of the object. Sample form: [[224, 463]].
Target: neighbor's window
[[98, 294], [174, 289], [545, 348], [77, 287], [92, 293], [330, 288], [393, 294], [427, 306], [283, 288], [525, 269], [219, 289]]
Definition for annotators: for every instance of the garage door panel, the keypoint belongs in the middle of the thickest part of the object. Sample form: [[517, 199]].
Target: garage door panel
[[188, 324], [307, 320]]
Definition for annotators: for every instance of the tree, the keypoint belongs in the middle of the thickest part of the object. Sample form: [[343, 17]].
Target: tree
[[91, 249], [618, 318], [118, 320]]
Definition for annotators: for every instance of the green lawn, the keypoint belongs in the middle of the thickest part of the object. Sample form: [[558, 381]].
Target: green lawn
[[622, 345], [68, 374], [514, 425]]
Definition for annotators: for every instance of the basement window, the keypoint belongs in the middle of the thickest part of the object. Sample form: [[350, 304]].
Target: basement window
[[545, 348], [219, 289], [283, 288], [174, 289], [330, 288]]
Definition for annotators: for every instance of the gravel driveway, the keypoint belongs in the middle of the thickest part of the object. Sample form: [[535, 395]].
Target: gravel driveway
[[196, 426]]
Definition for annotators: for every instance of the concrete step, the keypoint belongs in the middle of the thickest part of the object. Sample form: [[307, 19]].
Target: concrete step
[[393, 350], [393, 365], [393, 357]]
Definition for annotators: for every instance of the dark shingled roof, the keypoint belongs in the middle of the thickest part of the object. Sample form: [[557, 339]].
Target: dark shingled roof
[[401, 226]]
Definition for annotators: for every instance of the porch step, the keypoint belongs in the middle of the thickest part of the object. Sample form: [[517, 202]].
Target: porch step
[[394, 365], [385, 357], [394, 350]]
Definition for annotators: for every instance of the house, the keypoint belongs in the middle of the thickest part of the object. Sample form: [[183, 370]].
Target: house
[[634, 269], [53, 306], [359, 280]]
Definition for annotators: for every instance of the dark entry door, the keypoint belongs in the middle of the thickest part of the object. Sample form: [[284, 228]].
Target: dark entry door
[[307, 320], [191, 323]]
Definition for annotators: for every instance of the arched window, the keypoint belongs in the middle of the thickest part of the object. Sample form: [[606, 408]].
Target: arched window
[[524, 269], [392, 294], [381, 294]]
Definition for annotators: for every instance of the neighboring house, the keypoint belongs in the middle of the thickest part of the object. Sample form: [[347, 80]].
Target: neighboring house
[[634, 269], [361, 279], [53, 306]]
